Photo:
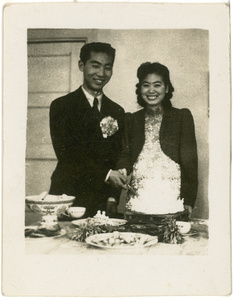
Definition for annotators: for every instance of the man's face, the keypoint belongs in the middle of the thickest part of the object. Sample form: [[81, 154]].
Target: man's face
[[97, 71]]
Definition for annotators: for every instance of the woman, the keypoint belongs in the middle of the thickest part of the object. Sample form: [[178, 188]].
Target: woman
[[159, 144]]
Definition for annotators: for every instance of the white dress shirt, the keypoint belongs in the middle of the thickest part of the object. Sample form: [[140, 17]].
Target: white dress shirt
[[90, 98]]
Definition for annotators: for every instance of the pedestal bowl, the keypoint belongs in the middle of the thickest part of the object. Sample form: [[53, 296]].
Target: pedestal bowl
[[49, 206]]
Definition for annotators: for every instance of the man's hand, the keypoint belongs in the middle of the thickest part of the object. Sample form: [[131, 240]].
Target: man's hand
[[117, 180], [189, 209], [123, 172]]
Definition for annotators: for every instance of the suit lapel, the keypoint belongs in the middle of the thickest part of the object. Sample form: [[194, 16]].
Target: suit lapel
[[105, 109], [82, 102], [86, 123]]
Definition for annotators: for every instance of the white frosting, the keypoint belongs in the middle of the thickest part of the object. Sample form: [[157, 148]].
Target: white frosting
[[156, 197]]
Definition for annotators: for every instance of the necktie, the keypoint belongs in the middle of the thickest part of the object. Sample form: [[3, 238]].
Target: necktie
[[95, 106]]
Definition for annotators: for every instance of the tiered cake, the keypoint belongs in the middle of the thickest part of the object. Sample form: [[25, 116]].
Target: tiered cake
[[156, 199]]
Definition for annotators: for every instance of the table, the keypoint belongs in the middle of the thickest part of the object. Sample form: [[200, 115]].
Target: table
[[192, 245]]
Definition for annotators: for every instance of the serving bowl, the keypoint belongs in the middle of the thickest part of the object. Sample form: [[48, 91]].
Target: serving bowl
[[49, 206], [183, 227], [76, 212]]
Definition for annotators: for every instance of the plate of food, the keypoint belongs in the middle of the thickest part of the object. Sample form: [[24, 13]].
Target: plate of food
[[109, 221], [121, 240], [42, 232]]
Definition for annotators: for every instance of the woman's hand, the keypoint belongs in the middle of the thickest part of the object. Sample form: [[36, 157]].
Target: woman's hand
[[189, 209]]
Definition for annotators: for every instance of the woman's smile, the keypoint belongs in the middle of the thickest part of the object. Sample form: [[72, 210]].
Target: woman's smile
[[153, 90], [152, 97]]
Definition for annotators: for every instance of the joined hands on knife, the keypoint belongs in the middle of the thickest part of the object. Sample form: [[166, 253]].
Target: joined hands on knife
[[118, 179]]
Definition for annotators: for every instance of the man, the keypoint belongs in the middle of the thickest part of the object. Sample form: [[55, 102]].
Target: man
[[86, 142]]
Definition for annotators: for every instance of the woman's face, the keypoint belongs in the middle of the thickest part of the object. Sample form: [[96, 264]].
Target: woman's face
[[153, 90]]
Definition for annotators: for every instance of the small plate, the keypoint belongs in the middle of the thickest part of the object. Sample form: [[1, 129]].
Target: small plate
[[115, 222], [41, 235], [191, 233], [94, 239]]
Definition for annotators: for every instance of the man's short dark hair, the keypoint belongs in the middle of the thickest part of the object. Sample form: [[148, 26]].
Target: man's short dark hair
[[85, 52]]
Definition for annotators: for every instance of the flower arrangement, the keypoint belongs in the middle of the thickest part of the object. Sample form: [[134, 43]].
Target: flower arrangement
[[109, 126], [171, 233]]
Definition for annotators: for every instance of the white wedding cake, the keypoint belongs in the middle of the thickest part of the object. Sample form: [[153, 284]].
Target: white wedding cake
[[155, 198]]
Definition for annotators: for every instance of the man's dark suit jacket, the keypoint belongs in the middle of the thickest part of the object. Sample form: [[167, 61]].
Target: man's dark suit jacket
[[177, 139], [84, 155]]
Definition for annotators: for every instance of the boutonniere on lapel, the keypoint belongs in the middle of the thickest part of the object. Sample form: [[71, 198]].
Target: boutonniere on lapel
[[109, 126]]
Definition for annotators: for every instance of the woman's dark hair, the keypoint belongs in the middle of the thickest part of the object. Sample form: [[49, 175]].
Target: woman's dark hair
[[161, 70], [85, 52]]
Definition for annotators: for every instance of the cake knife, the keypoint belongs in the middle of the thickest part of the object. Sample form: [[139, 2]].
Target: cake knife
[[132, 190]]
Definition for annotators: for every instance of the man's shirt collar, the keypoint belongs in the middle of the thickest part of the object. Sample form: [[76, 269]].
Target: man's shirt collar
[[90, 98]]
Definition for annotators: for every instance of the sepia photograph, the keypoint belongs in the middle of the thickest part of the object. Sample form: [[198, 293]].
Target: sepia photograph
[[117, 136], [151, 155]]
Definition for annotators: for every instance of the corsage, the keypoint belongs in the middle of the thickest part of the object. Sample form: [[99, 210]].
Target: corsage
[[109, 126]]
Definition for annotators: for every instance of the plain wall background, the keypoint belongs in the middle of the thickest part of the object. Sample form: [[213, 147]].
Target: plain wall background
[[185, 52]]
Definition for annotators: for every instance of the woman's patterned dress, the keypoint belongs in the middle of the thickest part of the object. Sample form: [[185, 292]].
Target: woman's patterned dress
[[155, 177]]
